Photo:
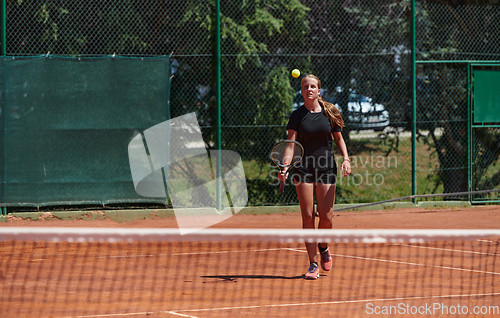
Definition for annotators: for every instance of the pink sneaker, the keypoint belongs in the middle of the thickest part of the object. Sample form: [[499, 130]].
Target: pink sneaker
[[312, 272], [326, 260]]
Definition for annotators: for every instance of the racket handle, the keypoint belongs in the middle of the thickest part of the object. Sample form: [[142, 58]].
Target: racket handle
[[282, 186]]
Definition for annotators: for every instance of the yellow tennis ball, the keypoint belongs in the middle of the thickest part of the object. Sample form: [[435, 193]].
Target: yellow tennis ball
[[295, 73]]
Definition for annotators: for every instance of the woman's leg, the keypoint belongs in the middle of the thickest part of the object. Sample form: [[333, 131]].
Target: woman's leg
[[305, 193], [325, 198]]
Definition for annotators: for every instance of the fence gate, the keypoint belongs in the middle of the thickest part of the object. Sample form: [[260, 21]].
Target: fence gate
[[484, 130]]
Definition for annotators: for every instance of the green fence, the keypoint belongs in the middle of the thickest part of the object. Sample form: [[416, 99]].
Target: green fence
[[361, 50], [67, 123], [484, 128]]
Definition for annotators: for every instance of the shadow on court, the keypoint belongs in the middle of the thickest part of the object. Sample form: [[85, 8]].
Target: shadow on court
[[234, 277]]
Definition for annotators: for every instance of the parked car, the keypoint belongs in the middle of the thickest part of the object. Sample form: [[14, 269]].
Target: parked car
[[363, 114]]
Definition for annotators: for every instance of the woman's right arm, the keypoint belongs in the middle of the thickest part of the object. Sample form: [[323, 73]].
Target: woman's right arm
[[292, 135]]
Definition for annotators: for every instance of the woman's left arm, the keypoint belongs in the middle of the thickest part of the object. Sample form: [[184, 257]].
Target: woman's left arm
[[346, 163]]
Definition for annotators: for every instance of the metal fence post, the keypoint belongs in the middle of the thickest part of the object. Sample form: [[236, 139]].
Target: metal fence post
[[3, 44], [414, 105], [218, 98], [3, 23]]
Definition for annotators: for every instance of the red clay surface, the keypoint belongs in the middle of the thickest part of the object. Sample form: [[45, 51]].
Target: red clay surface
[[240, 279], [482, 217]]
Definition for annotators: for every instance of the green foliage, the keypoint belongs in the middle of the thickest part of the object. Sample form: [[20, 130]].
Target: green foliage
[[355, 45]]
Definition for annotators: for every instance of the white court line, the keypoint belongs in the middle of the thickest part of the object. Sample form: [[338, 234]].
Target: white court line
[[177, 312], [99, 257], [176, 254], [285, 248], [295, 250], [116, 315], [337, 302], [368, 258], [138, 313], [227, 252], [449, 250], [277, 249], [127, 256], [416, 264], [487, 241]]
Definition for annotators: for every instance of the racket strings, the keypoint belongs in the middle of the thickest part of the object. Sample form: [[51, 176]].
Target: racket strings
[[287, 154]]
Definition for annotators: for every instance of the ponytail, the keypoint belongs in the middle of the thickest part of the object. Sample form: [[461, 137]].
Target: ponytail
[[332, 113]]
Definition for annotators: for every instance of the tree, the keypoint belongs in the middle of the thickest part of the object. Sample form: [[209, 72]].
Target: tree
[[456, 30], [361, 46]]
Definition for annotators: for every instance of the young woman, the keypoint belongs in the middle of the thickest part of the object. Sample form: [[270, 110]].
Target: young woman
[[315, 125]]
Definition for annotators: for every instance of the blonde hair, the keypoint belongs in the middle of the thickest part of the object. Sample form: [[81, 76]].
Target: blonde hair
[[331, 112]]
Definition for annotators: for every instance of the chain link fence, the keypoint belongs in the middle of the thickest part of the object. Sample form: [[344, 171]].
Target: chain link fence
[[450, 36], [360, 50]]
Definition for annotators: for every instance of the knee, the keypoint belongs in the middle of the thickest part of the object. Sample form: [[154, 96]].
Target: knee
[[325, 223], [308, 222], [326, 220]]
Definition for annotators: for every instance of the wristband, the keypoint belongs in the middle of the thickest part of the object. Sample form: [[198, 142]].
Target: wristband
[[347, 159]]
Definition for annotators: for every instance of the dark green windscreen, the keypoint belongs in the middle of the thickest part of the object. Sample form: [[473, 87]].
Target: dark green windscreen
[[486, 96], [67, 123]]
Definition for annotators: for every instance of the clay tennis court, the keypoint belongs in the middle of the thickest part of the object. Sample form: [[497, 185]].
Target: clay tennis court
[[258, 279]]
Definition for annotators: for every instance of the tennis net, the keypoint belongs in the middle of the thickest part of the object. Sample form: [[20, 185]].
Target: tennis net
[[110, 272]]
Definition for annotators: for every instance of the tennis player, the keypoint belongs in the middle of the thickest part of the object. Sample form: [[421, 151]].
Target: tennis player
[[315, 125]]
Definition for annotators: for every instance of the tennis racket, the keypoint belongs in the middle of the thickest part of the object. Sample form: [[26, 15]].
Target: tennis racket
[[286, 154]]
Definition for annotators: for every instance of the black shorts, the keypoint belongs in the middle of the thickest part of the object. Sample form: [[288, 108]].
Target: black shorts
[[315, 176]]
